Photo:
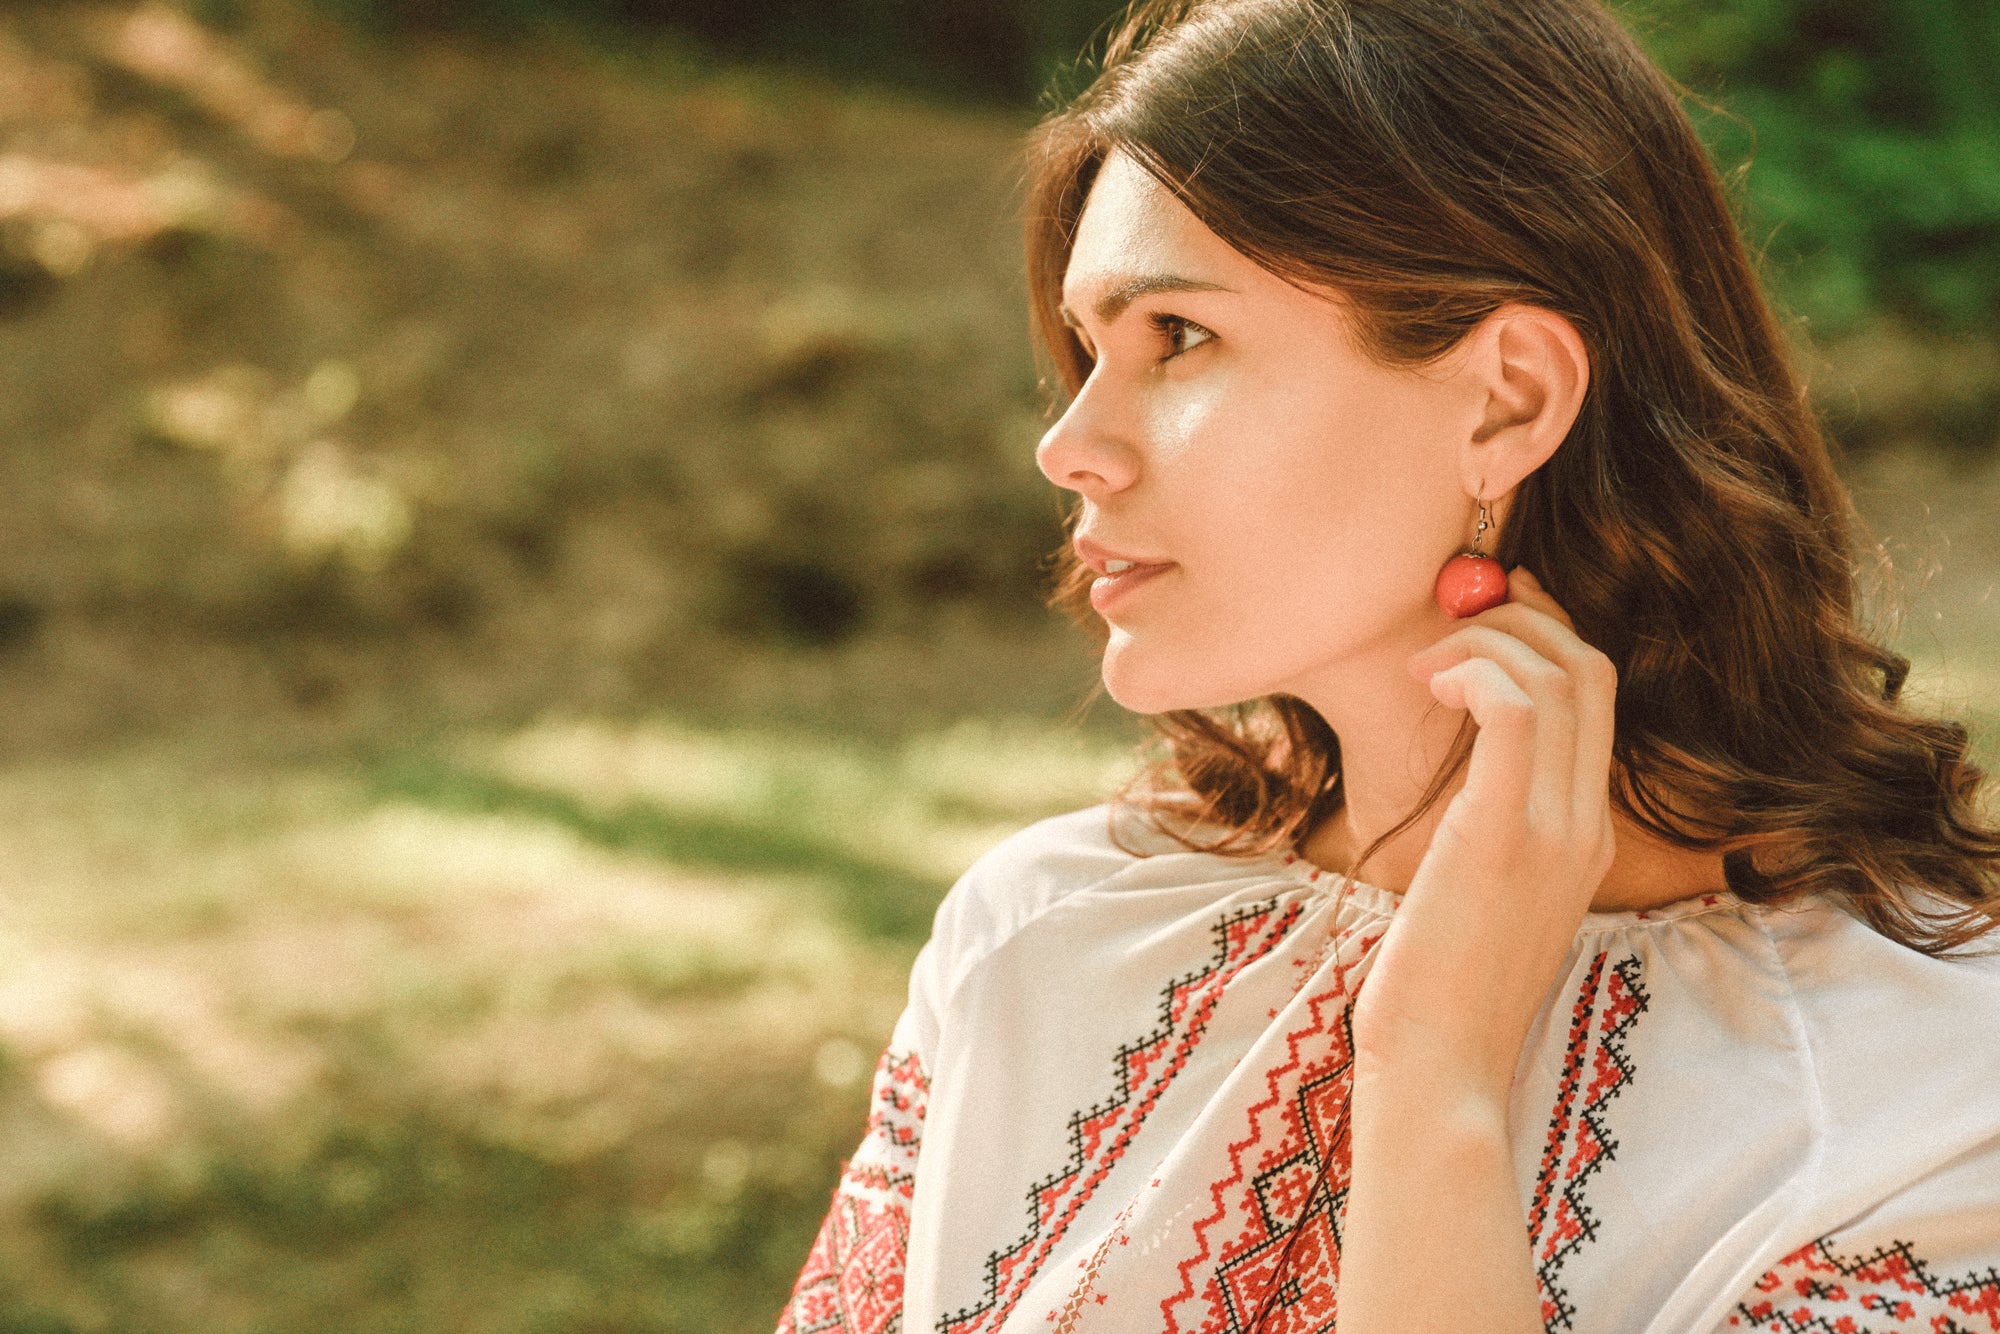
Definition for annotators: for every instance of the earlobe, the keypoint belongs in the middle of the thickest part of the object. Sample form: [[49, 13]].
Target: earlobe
[[1534, 369]]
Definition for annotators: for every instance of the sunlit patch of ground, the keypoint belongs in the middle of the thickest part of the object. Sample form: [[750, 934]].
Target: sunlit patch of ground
[[565, 1028], [925, 808]]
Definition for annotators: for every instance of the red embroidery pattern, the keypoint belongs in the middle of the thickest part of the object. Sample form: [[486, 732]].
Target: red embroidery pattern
[[1099, 1135], [1813, 1291], [1579, 1142], [1279, 1210], [852, 1282]]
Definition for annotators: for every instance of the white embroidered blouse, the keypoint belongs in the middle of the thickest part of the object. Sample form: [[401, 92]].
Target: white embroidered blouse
[[1117, 1102]]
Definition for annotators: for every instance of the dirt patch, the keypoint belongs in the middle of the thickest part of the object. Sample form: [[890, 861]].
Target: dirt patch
[[348, 379]]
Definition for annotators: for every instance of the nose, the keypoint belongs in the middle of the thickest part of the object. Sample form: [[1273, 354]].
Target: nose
[[1080, 454]]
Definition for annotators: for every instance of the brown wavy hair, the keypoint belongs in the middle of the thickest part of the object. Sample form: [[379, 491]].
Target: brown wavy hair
[[1431, 160]]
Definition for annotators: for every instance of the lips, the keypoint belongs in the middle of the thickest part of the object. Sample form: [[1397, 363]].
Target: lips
[[1118, 573]]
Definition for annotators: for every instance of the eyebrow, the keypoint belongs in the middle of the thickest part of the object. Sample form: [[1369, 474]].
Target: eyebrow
[[1113, 303]]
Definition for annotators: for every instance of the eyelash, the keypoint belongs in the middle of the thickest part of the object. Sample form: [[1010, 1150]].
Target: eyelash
[[1169, 325], [1163, 324]]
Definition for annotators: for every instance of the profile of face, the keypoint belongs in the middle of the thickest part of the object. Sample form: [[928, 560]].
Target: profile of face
[[1284, 499]]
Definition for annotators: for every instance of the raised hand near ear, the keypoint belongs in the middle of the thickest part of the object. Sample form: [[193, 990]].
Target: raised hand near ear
[[1520, 850], [1435, 1237]]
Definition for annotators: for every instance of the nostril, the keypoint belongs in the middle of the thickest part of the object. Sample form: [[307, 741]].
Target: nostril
[[1053, 457], [1068, 463]]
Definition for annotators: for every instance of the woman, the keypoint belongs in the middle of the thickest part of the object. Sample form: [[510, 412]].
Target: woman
[[1662, 1007]]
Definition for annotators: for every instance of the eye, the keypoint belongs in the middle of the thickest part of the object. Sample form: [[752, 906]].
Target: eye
[[1182, 335]]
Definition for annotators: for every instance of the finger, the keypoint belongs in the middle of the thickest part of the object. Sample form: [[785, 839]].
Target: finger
[[1523, 588], [1596, 730], [1596, 689], [1501, 772], [1529, 616], [1551, 746], [1591, 689], [1535, 617]]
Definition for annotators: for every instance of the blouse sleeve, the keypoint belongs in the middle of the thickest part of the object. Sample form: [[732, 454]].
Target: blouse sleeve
[[852, 1282], [1926, 1260], [853, 1279], [1901, 1230], [1889, 1288]]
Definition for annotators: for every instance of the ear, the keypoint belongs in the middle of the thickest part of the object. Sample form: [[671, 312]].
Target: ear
[[1529, 369]]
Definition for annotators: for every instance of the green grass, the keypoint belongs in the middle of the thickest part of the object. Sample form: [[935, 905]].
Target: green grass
[[410, 1224], [876, 897], [564, 1030], [558, 1031]]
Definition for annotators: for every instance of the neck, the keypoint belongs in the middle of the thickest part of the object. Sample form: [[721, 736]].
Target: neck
[[1394, 736]]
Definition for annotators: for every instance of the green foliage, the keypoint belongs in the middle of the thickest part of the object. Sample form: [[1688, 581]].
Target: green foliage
[[977, 49], [1870, 130]]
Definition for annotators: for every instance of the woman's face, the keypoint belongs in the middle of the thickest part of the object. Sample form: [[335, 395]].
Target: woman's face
[[1287, 500]]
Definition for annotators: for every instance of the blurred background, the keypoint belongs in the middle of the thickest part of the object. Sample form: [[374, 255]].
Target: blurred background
[[520, 573]]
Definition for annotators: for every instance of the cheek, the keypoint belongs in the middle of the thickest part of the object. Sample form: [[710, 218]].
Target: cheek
[[1303, 542], [1269, 590], [1275, 498], [1307, 518], [1313, 581]]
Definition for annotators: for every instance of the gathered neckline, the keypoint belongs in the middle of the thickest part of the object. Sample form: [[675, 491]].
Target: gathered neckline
[[1383, 902]]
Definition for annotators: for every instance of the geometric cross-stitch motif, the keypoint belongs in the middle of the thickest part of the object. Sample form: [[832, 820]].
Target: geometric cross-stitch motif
[[1891, 1291], [1099, 1135], [1268, 1249], [1268, 1252], [1596, 1069], [852, 1282]]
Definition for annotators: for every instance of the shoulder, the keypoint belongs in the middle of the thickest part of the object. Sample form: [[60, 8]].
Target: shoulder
[[1832, 953], [1020, 878], [1866, 994], [1033, 871], [1030, 872], [1898, 1226], [1900, 1040]]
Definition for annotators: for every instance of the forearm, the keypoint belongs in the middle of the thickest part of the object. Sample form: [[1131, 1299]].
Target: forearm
[[1435, 1237]]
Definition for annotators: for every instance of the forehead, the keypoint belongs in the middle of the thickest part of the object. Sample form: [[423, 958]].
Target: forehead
[[1133, 224]]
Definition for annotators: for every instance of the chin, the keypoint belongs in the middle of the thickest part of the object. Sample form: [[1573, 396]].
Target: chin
[[1149, 683]]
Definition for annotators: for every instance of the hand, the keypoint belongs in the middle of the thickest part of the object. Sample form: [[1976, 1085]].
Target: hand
[[1517, 856], [1434, 1236]]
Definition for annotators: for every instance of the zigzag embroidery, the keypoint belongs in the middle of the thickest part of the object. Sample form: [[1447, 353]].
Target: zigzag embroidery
[[1561, 1226], [1889, 1292], [1303, 1140], [1098, 1135]]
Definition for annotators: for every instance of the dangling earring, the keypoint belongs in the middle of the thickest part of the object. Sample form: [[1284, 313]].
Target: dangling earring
[[1472, 581]]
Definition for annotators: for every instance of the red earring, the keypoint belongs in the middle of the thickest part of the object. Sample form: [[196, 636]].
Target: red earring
[[1472, 581]]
